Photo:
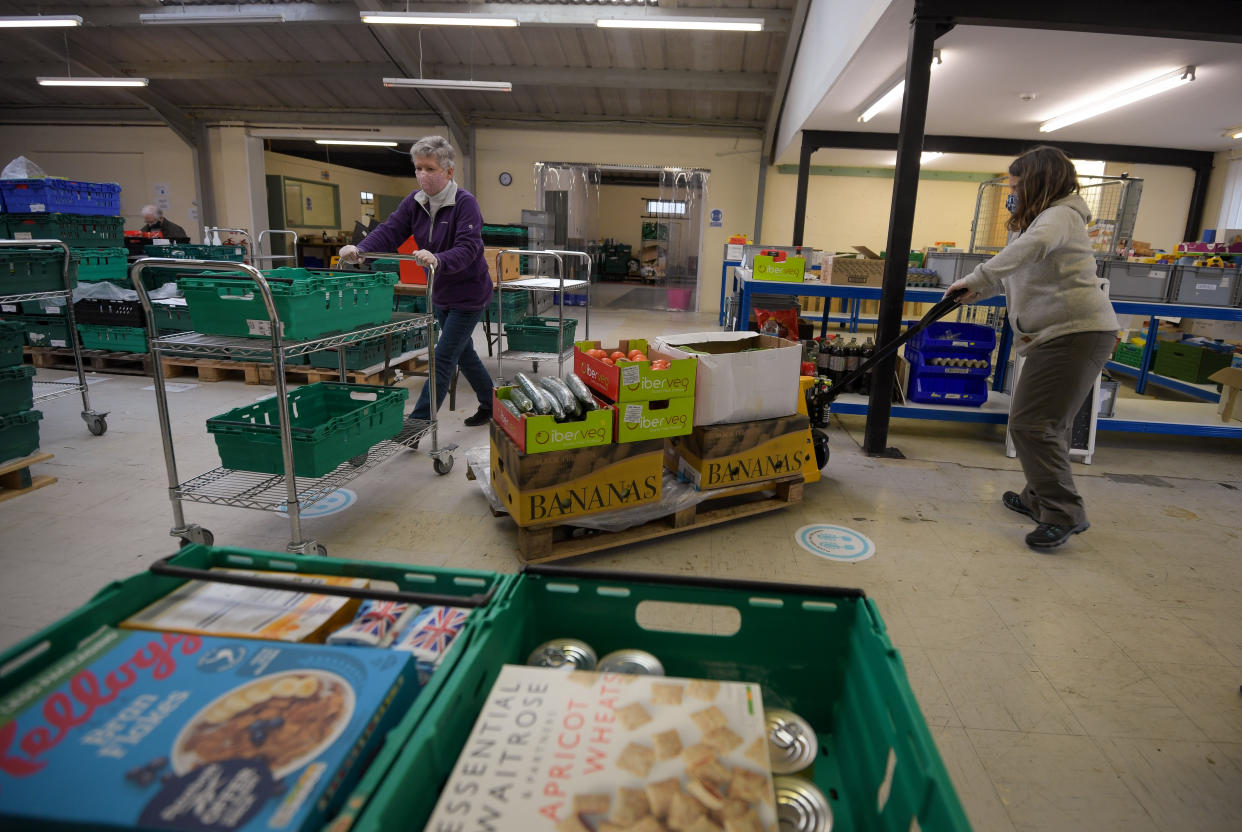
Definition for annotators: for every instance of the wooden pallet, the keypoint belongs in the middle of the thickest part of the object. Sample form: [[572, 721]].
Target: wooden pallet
[[539, 544], [211, 370], [94, 361], [16, 479]]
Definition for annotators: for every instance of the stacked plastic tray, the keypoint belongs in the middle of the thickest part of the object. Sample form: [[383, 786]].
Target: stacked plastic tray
[[950, 363], [19, 423]]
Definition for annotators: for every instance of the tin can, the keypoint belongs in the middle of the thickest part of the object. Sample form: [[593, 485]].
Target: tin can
[[800, 806], [792, 744], [635, 662], [563, 653]]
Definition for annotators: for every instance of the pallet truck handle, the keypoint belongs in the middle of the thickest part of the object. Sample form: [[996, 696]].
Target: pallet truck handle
[[163, 567]]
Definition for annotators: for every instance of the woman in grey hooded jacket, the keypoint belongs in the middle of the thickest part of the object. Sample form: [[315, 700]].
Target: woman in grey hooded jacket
[[1064, 326]]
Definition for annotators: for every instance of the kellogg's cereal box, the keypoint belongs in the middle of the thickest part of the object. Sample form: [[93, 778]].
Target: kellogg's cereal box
[[149, 730], [557, 751]]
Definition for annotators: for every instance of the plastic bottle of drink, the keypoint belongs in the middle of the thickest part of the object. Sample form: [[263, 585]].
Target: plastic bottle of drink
[[822, 359], [836, 361], [867, 351], [851, 363]]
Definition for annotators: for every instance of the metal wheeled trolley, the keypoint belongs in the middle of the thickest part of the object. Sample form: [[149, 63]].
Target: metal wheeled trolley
[[284, 492], [96, 423], [538, 283]]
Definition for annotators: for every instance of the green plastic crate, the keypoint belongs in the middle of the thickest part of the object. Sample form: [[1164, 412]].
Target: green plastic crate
[[409, 303], [16, 388], [192, 252], [517, 305], [309, 304], [330, 423], [12, 338], [171, 317], [121, 599], [820, 652], [24, 270], [19, 434], [77, 230], [45, 306], [1129, 354], [46, 330], [113, 338], [536, 334], [99, 264], [360, 355], [1189, 362]]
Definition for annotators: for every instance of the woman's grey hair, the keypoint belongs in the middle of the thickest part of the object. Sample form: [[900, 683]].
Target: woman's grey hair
[[437, 147], [151, 209]]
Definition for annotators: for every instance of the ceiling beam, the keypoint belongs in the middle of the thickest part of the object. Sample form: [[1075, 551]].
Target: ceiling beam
[[1213, 20], [646, 79], [527, 14], [94, 64], [792, 44]]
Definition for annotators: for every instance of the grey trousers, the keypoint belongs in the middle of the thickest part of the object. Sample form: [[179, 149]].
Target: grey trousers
[[1054, 382]]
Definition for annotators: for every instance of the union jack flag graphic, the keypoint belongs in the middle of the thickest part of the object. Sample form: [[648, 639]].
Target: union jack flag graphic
[[433, 631], [374, 623]]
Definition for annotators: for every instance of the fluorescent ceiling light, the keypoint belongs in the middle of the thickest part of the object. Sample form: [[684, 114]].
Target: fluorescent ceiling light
[[928, 155], [1113, 100], [709, 24], [1237, 135], [45, 21], [207, 18], [424, 19], [91, 81], [356, 142], [445, 84], [893, 95]]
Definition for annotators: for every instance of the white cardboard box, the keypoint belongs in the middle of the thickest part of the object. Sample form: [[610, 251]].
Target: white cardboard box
[[737, 386]]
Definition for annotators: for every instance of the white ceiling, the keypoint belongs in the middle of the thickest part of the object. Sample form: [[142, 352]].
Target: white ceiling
[[976, 91]]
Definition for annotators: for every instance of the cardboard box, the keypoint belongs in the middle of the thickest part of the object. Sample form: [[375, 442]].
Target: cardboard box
[[1230, 407], [555, 487], [216, 609], [510, 264], [635, 381], [607, 751], [733, 385], [767, 267], [718, 456], [853, 271], [635, 421], [173, 731], [537, 433]]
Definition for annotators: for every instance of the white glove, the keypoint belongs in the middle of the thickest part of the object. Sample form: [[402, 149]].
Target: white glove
[[426, 259], [970, 297], [348, 255]]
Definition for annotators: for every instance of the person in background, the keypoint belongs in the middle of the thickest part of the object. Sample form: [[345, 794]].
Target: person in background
[[447, 225], [156, 221], [1064, 326]]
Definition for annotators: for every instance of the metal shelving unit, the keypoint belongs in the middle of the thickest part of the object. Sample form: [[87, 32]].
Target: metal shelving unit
[[277, 492], [533, 284], [45, 391]]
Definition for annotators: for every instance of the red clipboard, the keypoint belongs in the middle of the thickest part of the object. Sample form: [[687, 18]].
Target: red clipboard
[[410, 271]]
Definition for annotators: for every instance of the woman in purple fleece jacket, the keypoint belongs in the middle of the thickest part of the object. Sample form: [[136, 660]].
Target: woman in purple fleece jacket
[[446, 223]]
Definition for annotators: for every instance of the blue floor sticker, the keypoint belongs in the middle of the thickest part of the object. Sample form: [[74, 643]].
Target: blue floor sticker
[[338, 500], [834, 542]]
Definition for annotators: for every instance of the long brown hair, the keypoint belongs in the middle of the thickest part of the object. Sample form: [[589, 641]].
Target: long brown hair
[[1045, 174]]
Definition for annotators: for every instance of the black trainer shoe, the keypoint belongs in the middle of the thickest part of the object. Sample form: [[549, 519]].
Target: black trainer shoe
[[1048, 536], [1013, 502], [480, 417]]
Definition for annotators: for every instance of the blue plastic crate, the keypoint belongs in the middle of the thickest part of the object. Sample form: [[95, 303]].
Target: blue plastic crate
[[938, 388], [947, 362], [38, 196], [950, 335], [575, 300]]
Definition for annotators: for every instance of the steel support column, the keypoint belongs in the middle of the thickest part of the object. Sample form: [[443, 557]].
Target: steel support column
[[804, 184], [923, 33]]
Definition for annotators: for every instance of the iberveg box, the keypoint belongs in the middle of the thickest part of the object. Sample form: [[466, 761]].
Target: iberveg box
[[557, 486], [634, 381], [719, 456], [636, 421], [534, 433]]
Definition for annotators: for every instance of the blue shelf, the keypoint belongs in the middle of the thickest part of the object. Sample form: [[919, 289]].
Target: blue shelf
[[1207, 392]]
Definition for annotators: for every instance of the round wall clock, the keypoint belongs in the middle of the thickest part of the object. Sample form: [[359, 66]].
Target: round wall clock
[[506, 179]]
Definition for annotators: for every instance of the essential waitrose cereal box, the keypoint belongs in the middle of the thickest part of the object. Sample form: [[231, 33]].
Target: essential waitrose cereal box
[[600, 752], [148, 730]]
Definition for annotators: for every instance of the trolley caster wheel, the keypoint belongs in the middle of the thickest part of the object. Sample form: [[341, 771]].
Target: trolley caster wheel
[[97, 425], [202, 536], [321, 550], [820, 440], [443, 465], [359, 460]]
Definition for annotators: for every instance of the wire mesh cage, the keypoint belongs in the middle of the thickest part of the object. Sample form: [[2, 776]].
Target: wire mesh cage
[[1113, 201]]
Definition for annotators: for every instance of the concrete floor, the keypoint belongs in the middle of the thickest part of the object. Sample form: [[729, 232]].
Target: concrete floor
[[1096, 688]]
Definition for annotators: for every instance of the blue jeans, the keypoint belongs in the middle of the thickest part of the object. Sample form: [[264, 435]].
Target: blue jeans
[[455, 349]]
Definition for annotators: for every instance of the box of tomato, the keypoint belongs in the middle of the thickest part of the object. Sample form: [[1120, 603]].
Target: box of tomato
[[632, 372]]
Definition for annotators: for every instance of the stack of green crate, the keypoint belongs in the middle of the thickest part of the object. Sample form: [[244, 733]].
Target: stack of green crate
[[30, 270], [1189, 362], [19, 423], [517, 306]]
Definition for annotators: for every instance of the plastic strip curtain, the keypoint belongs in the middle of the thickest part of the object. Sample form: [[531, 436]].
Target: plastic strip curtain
[[678, 229], [569, 193]]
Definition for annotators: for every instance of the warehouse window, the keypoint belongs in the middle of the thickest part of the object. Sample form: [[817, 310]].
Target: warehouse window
[[367, 197], [1231, 205], [666, 207]]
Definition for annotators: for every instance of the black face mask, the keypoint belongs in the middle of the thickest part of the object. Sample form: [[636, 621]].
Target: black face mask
[[1011, 202]]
